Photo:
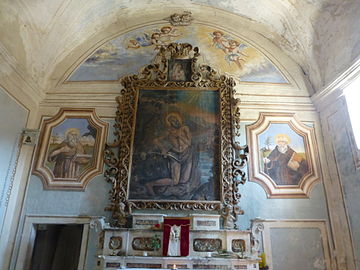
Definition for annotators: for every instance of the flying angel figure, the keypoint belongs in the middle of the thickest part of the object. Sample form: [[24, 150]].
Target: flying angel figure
[[233, 49], [218, 39], [143, 40], [234, 52]]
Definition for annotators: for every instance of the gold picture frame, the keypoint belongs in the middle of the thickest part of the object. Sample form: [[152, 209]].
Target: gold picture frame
[[159, 84]]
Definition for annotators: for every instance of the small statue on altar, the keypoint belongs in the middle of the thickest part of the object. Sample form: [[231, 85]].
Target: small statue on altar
[[176, 237], [229, 218], [121, 215], [174, 241]]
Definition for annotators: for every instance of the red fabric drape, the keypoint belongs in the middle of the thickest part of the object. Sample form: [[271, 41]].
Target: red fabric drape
[[184, 237]]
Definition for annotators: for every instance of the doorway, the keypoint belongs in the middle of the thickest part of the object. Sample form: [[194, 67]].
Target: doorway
[[57, 246]]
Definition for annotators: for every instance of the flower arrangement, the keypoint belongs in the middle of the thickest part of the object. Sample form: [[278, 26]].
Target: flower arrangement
[[155, 242]]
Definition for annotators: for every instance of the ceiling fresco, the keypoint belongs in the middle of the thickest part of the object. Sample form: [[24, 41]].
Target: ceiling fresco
[[126, 54]]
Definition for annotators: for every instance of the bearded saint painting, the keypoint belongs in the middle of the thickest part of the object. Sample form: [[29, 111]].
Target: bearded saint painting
[[71, 148], [283, 155]]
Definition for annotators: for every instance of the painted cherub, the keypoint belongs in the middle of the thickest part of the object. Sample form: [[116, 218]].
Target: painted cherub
[[233, 49], [168, 31], [234, 52], [143, 40], [157, 38], [218, 39], [166, 35]]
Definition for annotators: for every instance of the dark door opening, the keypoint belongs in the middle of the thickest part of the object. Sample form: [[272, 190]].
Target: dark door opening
[[57, 247]]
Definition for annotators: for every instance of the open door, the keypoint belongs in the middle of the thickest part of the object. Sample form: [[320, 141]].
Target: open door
[[57, 247]]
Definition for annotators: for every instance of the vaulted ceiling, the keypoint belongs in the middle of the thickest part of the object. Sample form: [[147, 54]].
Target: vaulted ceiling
[[43, 41]]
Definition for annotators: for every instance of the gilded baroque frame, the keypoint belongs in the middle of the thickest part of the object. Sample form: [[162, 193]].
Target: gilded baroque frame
[[91, 169], [118, 155], [257, 171]]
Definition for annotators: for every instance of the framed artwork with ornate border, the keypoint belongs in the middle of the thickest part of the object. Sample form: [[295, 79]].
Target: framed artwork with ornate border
[[70, 149], [175, 149], [284, 157]]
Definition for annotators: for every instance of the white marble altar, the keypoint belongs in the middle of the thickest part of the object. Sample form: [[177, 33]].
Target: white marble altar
[[209, 248]]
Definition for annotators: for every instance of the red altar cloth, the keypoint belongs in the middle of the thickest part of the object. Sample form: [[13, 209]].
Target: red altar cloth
[[184, 234]]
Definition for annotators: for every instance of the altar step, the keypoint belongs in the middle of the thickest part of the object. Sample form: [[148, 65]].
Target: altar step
[[143, 262]]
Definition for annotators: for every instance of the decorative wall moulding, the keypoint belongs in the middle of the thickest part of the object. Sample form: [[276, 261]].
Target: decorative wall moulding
[[70, 149], [284, 157], [115, 242], [238, 245], [182, 19], [207, 244]]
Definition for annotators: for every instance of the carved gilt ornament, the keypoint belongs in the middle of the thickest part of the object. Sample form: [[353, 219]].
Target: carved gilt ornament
[[231, 157]]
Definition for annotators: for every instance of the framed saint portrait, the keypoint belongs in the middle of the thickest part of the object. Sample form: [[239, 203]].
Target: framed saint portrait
[[174, 147], [283, 154], [69, 150], [179, 70]]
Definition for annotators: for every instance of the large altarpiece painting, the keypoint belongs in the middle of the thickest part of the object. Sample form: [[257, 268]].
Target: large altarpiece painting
[[174, 147]]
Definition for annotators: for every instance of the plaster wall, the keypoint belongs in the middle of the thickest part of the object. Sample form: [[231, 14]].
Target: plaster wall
[[297, 248], [255, 203], [300, 245], [10, 137], [93, 200], [90, 202], [345, 166], [302, 35], [255, 98]]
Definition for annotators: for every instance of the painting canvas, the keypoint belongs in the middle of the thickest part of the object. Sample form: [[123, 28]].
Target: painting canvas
[[179, 70], [282, 153], [176, 146], [71, 148]]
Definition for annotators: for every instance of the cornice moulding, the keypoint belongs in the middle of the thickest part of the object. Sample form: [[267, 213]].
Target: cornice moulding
[[18, 76]]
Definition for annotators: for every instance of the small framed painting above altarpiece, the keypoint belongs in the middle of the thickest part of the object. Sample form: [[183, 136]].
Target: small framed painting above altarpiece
[[175, 149], [284, 158]]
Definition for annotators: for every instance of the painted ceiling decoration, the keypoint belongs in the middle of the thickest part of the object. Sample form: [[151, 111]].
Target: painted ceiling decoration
[[127, 53]]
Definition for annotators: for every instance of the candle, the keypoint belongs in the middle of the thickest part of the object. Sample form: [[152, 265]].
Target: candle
[[174, 266]]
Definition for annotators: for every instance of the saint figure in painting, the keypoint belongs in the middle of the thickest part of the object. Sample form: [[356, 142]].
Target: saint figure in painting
[[283, 164], [178, 72], [69, 155], [176, 146]]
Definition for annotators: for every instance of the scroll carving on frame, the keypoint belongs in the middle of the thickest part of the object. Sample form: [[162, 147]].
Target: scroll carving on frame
[[174, 148], [284, 158]]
